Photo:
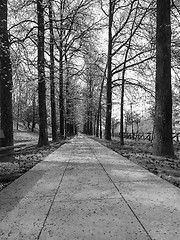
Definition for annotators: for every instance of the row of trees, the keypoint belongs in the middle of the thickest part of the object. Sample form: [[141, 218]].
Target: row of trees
[[55, 56], [138, 15], [48, 63]]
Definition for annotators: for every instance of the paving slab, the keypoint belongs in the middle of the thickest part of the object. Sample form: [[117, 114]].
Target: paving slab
[[25, 203], [25, 220], [86, 191], [91, 220], [157, 205], [154, 201], [86, 181]]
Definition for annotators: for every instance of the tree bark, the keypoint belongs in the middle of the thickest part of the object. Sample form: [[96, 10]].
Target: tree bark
[[52, 85], [19, 107], [6, 115], [90, 104], [99, 109], [109, 77], [163, 143], [43, 134], [98, 125], [94, 123], [61, 97], [122, 107], [33, 113], [69, 121], [123, 80]]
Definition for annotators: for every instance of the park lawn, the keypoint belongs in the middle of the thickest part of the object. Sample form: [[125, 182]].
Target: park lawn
[[140, 152], [30, 156]]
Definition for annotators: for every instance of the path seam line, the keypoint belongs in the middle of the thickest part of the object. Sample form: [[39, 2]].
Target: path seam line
[[120, 193], [40, 232]]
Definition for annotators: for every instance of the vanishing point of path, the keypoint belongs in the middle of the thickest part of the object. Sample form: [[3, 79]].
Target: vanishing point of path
[[86, 191]]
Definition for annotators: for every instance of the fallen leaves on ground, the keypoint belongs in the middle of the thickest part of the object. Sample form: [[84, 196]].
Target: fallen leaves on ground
[[140, 152], [19, 164]]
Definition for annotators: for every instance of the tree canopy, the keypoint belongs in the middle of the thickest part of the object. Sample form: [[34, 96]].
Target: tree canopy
[[74, 60]]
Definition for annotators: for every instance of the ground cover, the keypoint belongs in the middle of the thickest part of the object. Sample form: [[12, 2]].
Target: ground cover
[[140, 152], [14, 166]]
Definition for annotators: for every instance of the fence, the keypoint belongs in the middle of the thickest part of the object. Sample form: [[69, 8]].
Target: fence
[[139, 136], [149, 136]]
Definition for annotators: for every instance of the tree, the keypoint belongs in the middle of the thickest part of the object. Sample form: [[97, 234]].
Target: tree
[[123, 79], [128, 120], [5, 78], [73, 24], [99, 111], [109, 73], [43, 134], [94, 77], [61, 70], [137, 120], [163, 143], [72, 30], [127, 48], [31, 117], [70, 96], [52, 84]]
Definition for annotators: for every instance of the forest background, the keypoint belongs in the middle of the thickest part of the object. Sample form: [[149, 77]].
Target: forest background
[[65, 64]]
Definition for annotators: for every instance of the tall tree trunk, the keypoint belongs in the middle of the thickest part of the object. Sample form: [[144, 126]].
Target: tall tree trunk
[[18, 115], [109, 77], [68, 124], [94, 123], [163, 143], [90, 122], [97, 122], [43, 134], [100, 123], [18, 107], [69, 129], [61, 97], [99, 110], [123, 80], [99, 104], [19, 111], [122, 107], [132, 120], [52, 85], [90, 107], [33, 113], [6, 115]]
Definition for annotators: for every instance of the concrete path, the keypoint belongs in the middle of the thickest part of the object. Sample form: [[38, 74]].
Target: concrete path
[[86, 191]]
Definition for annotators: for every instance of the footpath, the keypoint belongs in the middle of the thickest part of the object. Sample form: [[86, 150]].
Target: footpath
[[86, 191]]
